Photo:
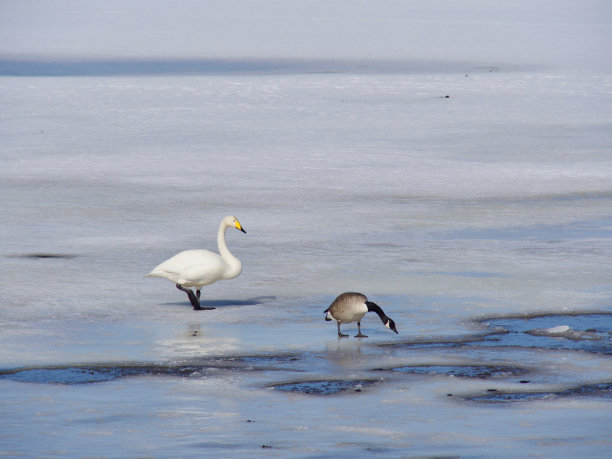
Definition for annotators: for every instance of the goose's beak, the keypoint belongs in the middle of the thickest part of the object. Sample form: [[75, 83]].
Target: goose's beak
[[239, 226]]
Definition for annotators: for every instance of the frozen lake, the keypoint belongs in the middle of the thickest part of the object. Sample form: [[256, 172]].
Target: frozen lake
[[465, 187]]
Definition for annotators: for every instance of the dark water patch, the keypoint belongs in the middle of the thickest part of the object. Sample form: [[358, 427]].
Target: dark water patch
[[326, 386], [276, 362], [42, 255], [462, 371], [270, 359], [591, 332], [74, 375], [597, 390], [601, 390], [511, 397], [94, 373]]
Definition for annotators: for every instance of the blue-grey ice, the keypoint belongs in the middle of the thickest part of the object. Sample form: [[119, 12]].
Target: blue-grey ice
[[450, 160]]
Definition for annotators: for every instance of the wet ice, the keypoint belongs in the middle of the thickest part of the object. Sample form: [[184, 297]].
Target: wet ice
[[588, 331], [479, 222]]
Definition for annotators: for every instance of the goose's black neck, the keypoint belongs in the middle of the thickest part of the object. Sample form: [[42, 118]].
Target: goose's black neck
[[373, 307]]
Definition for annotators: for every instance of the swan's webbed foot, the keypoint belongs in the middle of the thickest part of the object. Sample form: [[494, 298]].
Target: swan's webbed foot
[[199, 307]]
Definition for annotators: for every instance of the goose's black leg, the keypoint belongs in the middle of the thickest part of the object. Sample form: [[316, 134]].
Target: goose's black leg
[[340, 334], [198, 294], [359, 334]]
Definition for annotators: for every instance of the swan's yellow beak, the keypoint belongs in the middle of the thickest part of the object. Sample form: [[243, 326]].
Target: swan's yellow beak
[[239, 226]]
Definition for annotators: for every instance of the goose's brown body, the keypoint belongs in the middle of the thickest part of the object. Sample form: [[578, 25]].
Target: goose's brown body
[[351, 307]]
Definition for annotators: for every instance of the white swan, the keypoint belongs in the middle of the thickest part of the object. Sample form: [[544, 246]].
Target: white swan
[[351, 307], [196, 268]]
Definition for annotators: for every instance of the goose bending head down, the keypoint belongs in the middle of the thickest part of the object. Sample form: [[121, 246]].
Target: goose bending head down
[[351, 307], [196, 268]]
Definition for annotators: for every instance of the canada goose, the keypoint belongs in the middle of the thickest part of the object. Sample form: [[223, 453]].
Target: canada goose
[[351, 307], [196, 268]]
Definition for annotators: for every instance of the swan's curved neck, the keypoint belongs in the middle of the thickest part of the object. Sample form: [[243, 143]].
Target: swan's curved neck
[[235, 267]]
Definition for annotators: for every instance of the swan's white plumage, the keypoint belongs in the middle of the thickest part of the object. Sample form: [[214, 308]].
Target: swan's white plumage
[[196, 268]]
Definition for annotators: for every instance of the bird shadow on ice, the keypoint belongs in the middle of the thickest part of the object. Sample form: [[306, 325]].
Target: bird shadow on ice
[[220, 303]]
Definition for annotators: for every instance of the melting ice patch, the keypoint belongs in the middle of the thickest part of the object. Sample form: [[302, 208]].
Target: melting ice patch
[[565, 331], [603, 390], [326, 387], [590, 332], [95, 373], [462, 371]]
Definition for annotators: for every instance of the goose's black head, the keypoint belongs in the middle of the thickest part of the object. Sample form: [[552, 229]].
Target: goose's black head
[[391, 325]]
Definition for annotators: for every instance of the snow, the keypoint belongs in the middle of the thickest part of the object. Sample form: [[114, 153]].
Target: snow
[[129, 129]]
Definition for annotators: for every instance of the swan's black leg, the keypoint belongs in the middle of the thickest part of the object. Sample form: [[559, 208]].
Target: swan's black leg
[[340, 334], [194, 298], [195, 302], [207, 308], [359, 334]]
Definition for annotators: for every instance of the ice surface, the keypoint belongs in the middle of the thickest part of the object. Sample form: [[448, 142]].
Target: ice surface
[[559, 329], [481, 222]]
